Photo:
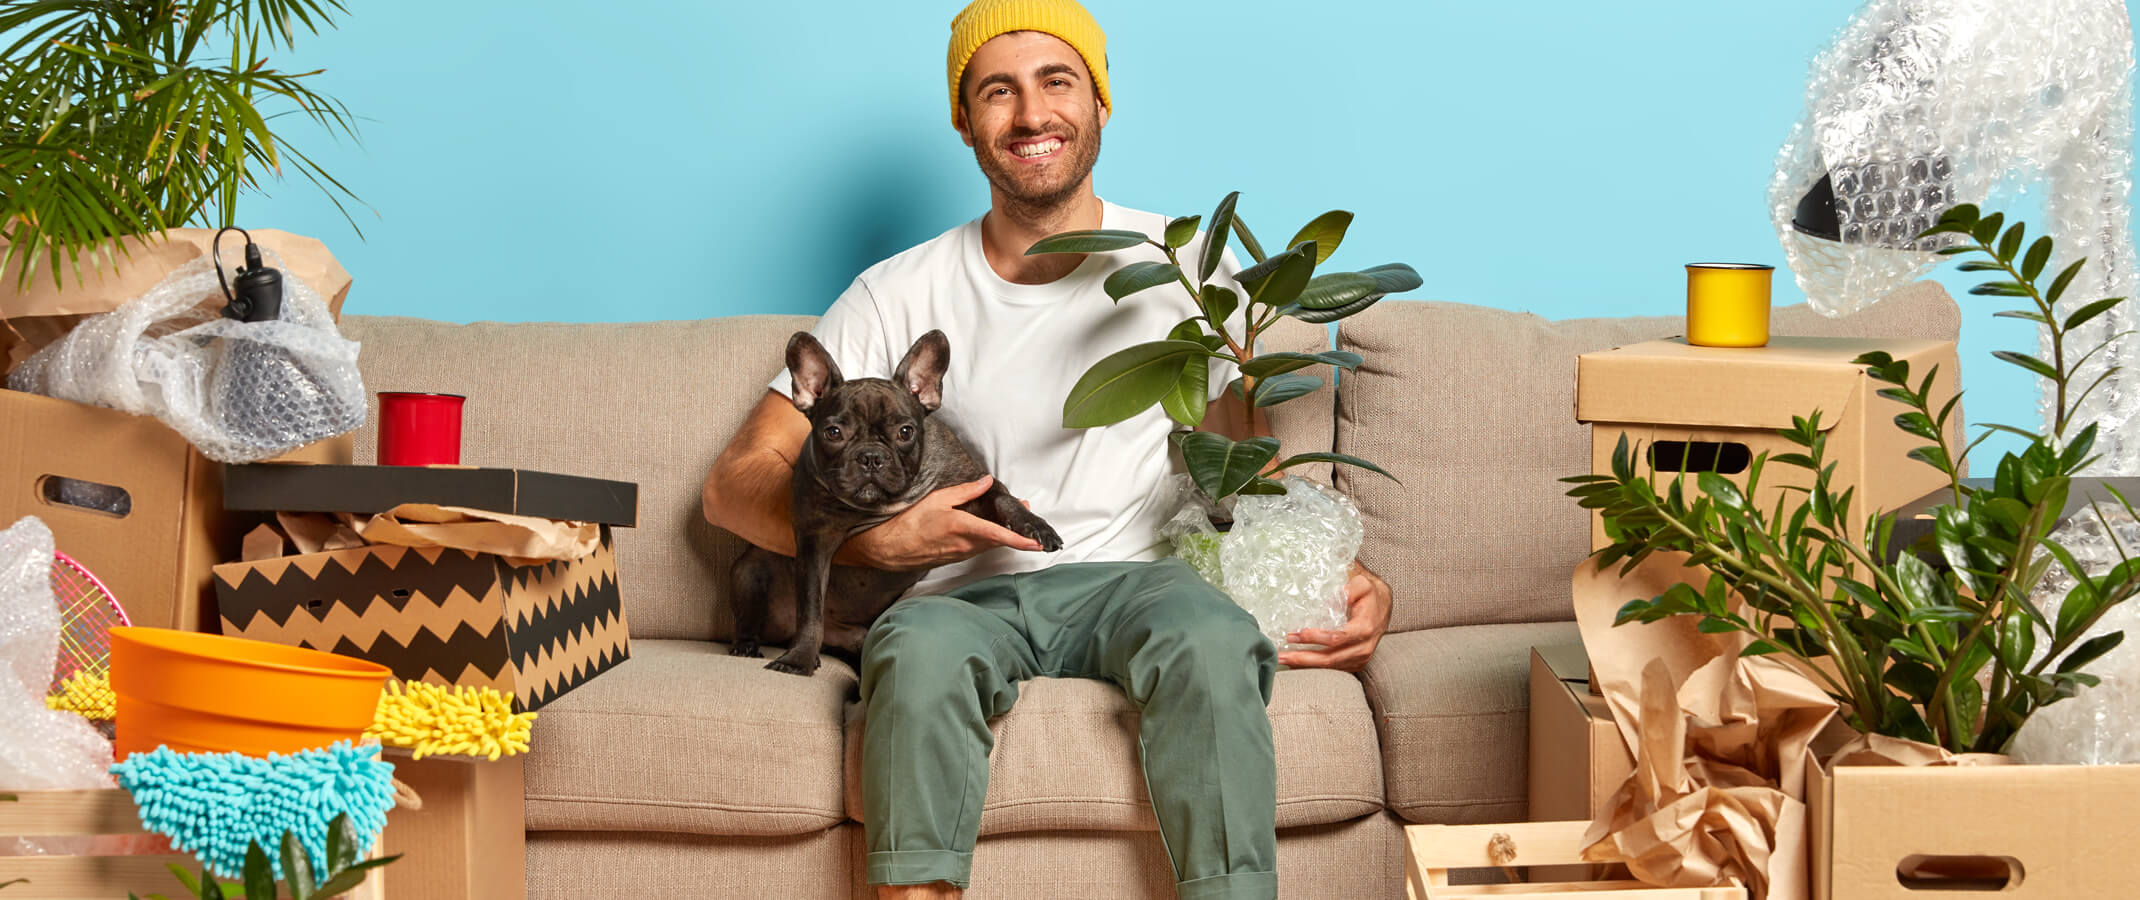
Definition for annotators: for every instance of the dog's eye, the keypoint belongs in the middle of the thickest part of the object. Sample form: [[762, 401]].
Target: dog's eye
[[906, 432], [832, 432]]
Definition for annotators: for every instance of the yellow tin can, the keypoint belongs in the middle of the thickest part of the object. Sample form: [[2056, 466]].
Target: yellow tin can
[[1728, 304]]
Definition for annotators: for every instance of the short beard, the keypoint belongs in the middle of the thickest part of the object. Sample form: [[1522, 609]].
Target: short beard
[[1029, 204]]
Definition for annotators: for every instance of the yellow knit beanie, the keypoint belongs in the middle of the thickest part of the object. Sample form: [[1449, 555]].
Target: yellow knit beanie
[[982, 20]]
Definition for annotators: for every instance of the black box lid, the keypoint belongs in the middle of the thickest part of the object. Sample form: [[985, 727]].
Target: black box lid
[[273, 487]]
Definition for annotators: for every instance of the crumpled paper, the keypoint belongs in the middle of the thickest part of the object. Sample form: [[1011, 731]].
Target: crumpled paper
[[1719, 741], [521, 540]]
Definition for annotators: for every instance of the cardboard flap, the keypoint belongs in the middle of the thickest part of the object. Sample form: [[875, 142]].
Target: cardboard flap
[[1671, 382]]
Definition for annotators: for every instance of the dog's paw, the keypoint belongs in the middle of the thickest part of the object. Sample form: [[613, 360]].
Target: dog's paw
[[744, 648], [1038, 529], [795, 664]]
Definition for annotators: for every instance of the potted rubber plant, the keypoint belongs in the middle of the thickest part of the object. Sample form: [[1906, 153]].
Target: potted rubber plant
[[1173, 372], [1948, 642]]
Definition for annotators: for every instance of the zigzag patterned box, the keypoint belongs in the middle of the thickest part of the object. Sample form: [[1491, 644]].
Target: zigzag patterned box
[[439, 615]]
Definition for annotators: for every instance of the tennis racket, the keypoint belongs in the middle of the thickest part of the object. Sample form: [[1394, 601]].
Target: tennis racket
[[87, 614]]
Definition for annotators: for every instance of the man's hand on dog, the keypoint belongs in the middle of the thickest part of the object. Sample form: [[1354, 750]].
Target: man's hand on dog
[[935, 532], [1348, 648]]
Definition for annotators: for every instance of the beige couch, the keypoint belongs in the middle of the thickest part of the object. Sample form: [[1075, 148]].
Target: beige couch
[[685, 772]]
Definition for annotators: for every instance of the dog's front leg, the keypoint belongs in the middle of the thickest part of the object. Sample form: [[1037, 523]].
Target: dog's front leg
[[813, 567]]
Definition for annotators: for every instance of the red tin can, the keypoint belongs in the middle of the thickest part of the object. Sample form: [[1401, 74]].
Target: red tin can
[[419, 429]]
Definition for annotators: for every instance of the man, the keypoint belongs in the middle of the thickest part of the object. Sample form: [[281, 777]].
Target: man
[[1029, 94]]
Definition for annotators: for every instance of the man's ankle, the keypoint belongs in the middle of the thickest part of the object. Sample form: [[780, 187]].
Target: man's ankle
[[935, 890]]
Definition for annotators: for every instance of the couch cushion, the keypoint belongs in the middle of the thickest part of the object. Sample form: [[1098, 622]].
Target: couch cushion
[[1066, 757], [684, 738], [649, 402], [1473, 410], [1453, 704]]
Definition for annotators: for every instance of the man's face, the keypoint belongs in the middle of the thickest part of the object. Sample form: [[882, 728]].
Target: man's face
[[1033, 118]]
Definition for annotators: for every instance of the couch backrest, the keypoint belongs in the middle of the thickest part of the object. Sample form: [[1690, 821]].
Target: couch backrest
[[1473, 409], [651, 403]]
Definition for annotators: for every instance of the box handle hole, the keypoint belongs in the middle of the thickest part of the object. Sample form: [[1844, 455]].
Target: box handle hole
[[401, 593], [90, 496], [1723, 458], [1930, 872]]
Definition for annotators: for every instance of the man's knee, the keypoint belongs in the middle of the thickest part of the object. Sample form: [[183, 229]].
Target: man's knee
[[1200, 636], [927, 647]]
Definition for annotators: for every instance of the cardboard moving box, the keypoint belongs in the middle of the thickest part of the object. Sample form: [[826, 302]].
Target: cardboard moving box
[[469, 841], [1911, 833], [1577, 760], [436, 614], [1716, 409], [154, 556]]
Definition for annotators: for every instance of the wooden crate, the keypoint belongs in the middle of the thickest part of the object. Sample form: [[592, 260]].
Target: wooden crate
[[61, 814], [1431, 851], [108, 813]]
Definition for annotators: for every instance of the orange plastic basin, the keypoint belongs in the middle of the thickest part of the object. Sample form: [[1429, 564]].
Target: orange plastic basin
[[207, 693]]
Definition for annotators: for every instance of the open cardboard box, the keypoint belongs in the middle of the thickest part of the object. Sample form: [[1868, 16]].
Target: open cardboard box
[[469, 839], [436, 614], [156, 556], [1925, 832], [1577, 759], [1716, 409]]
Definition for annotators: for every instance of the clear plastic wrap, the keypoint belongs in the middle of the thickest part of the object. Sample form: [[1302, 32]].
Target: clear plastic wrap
[[1285, 559], [2101, 724], [239, 391], [1922, 104], [40, 749]]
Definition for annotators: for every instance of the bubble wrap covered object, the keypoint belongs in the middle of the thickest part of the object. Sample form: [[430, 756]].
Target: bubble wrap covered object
[[41, 749], [1922, 104], [2100, 725], [238, 391], [1285, 560]]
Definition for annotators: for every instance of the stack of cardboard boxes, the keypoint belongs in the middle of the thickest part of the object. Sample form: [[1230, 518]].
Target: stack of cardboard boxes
[[1877, 832]]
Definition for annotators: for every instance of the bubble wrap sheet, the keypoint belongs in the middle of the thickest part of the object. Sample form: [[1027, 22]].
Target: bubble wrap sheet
[[1286, 558], [1923, 104], [2100, 725], [239, 391], [40, 749]]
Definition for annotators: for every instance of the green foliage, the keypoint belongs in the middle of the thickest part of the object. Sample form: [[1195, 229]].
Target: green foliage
[[341, 875], [121, 119], [1957, 654], [1174, 373]]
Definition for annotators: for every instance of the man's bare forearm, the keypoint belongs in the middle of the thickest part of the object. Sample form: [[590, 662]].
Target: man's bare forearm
[[750, 496], [750, 491]]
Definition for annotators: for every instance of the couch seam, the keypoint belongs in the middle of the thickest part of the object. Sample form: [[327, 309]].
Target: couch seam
[[679, 804]]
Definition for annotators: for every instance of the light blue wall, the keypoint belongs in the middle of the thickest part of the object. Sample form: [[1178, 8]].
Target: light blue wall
[[633, 159]]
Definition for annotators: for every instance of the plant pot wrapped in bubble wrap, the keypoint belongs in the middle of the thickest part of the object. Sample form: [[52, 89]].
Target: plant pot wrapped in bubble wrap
[[1285, 559]]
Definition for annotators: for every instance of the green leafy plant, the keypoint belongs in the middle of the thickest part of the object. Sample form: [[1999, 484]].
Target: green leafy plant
[[1957, 654], [1174, 372], [115, 120], [342, 874]]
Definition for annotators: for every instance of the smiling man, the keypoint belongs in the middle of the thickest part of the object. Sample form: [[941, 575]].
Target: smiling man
[[1029, 93]]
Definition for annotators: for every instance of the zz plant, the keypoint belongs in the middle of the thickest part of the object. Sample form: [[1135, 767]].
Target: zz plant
[[1174, 372], [1954, 651]]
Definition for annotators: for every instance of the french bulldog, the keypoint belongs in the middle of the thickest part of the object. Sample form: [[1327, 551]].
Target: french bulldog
[[873, 451]]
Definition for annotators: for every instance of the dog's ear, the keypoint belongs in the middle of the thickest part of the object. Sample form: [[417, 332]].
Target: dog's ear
[[814, 371], [922, 371]]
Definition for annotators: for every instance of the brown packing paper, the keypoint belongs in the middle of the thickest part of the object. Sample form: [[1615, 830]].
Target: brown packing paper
[[522, 540], [42, 312], [1720, 743]]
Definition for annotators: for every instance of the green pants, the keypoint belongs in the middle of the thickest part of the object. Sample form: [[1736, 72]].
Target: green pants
[[936, 669]]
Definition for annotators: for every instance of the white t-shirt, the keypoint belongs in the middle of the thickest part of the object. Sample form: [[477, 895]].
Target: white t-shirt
[[1016, 350]]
